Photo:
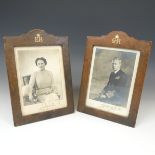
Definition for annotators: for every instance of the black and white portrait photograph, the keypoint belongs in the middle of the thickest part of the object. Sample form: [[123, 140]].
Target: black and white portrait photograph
[[41, 80], [112, 78]]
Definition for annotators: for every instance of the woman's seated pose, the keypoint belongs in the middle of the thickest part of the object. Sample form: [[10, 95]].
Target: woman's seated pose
[[42, 81]]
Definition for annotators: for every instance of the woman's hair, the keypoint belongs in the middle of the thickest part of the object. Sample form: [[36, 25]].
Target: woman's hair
[[41, 58]]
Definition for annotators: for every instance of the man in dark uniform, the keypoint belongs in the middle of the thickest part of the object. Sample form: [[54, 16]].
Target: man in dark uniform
[[115, 92]]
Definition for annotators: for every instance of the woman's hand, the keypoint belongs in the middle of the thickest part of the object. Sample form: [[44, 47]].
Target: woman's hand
[[49, 91]]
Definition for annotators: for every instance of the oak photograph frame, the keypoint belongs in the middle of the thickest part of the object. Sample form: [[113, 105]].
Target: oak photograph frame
[[36, 38], [115, 40]]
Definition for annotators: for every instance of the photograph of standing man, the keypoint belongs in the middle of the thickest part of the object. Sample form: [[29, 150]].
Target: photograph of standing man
[[115, 92]]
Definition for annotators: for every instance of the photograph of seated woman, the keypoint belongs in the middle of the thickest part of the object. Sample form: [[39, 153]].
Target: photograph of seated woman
[[115, 92], [41, 88]]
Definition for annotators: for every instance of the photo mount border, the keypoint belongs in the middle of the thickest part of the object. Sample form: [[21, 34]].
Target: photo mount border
[[122, 111]]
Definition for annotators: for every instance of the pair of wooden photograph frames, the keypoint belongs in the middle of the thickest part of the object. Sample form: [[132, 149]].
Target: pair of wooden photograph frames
[[22, 59]]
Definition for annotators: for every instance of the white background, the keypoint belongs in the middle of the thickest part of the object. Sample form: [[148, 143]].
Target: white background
[[78, 133]]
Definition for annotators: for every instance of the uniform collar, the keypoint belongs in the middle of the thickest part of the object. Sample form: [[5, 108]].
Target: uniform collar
[[116, 71]]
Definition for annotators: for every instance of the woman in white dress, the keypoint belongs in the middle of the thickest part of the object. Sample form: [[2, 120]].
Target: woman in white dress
[[43, 82]]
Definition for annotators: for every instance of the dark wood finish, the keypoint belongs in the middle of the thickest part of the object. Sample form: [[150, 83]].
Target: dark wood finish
[[127, 42], [27, 40]]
